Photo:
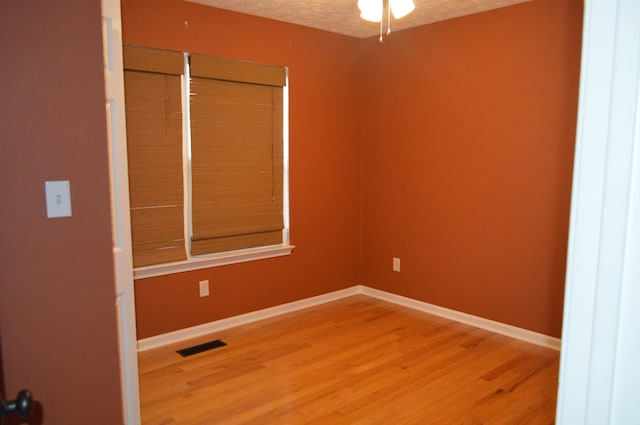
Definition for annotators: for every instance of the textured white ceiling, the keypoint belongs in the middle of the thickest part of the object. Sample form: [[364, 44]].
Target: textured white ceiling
[[343, 17]]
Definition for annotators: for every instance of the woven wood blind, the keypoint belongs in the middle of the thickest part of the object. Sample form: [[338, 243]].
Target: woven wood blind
[[237, 156], [239, 71], [154, 148]]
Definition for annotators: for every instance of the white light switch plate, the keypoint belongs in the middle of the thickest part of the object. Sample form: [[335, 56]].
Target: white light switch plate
[[58, 194]]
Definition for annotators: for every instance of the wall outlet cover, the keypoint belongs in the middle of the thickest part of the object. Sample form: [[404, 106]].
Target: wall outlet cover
[[204, 288], [396, 264]]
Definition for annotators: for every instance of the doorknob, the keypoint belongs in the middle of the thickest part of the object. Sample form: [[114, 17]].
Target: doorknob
[[22, 405]]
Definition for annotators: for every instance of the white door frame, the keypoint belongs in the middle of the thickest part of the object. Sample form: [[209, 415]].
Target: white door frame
[[120, 219], [599, 374]]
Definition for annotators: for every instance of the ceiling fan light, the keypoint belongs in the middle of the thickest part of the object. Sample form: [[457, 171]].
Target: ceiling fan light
[[401, 8], [371, 10]]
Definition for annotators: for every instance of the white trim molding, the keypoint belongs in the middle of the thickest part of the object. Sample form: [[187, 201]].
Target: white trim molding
[[468, 319], [214, 260], [243, 319], [120, 219]]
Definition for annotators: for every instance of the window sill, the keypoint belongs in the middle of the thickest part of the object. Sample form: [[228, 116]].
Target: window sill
[[213, 261]]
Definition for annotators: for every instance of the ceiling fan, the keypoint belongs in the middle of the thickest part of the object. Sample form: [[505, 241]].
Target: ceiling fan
[[374, 11]]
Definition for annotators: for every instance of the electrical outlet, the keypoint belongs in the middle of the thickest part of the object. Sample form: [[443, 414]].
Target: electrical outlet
[[204, 288], [396, 264]]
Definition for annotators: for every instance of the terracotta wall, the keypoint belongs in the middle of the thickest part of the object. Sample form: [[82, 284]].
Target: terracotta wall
[[57, 295], [469, 128], [449, 146], [324, 80]]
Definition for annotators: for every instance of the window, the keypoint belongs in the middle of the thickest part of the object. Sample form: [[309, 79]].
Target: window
[[207, 179]]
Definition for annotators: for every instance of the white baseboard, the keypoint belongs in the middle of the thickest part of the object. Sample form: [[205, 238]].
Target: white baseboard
[[478, 322], [243, 319]]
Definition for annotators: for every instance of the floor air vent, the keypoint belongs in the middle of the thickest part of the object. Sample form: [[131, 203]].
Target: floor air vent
[[201, 348]]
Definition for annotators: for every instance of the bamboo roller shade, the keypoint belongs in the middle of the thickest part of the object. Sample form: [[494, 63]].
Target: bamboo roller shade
[[237, 156], [239, 71], [137, 58], [154, 149], [236, 165]]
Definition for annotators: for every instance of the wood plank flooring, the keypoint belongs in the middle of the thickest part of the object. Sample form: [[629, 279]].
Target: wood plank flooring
[[354, 361]]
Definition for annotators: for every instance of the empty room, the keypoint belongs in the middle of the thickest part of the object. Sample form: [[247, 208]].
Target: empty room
[[230, 212], [446, 147]]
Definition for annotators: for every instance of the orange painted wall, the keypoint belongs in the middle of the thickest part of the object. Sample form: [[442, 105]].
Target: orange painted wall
[[57, 292], [469, 129], [449, 146], [324, 80]]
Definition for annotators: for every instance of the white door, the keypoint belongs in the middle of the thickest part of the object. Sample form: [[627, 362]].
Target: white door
[[599, 369], [120, 221]]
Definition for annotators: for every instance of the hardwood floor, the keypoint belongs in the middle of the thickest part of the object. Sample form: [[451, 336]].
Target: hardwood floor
[[354, 361]]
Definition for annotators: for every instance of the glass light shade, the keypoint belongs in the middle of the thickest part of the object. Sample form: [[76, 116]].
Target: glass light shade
[[401, 8], [371, 10]]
